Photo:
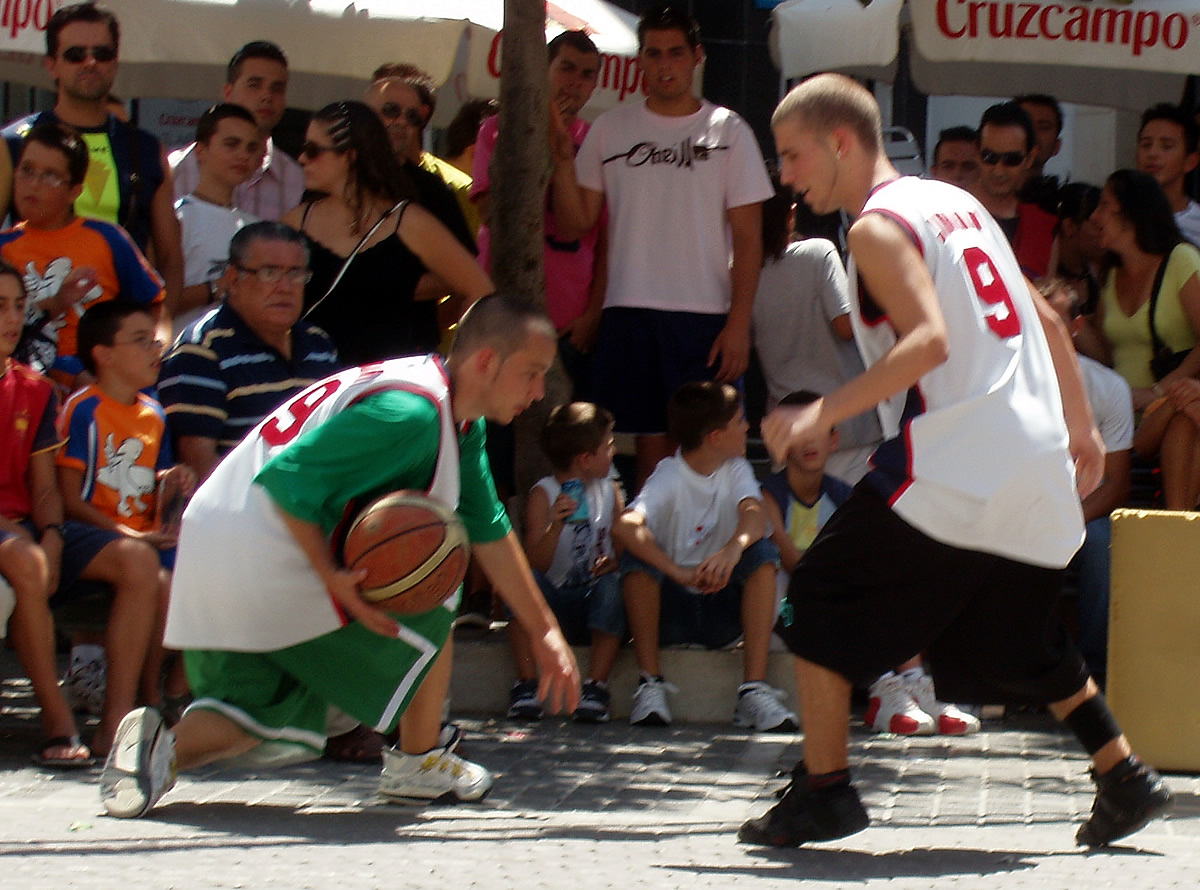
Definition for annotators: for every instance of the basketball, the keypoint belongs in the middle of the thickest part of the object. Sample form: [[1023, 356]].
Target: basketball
[[414, 549]]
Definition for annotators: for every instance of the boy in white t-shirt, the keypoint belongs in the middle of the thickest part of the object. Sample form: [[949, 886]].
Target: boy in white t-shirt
[[568, 539], [698, 566]]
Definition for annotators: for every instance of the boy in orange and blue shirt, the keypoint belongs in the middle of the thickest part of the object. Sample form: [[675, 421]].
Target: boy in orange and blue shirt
[[117, 449]]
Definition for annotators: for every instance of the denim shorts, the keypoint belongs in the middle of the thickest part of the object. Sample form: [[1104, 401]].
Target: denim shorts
[[584, 608], [712, 620]]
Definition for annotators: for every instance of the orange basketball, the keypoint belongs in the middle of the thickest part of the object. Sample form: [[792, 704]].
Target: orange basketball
[[414, 549]]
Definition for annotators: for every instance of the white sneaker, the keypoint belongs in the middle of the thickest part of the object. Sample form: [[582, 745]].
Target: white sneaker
[[422, 778], [949, 719], [650, 703], [893, 709], [83, 686], [140, 768], [761, 708]]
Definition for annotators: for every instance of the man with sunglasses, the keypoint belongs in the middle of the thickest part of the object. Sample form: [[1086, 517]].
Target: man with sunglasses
[[128, 180], [257, 80], [1006, 149], [232, 367], [403, 97]]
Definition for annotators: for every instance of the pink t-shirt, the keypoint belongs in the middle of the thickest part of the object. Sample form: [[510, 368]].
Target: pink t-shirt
[[569, 264]]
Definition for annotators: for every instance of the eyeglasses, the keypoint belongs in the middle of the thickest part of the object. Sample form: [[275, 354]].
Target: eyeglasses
[[1007, 158], [393, 110], [77, 55], [273, 274], [42, 177], [312, 151]]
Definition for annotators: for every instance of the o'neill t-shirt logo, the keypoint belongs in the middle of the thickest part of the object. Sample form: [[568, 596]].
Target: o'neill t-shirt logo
[[685, 154]]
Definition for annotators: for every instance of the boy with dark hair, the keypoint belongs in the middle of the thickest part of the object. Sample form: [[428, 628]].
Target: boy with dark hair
[[972, 508], [697, 566], [257, 80], [42, 555], [68, 262], [275, 630], [227, 151], [568, 539], [116, 453], [1167, 149]]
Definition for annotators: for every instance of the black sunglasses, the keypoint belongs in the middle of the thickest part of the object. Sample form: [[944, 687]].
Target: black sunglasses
[[392, 110], [1007, 158], [77, 55], [312, 150]]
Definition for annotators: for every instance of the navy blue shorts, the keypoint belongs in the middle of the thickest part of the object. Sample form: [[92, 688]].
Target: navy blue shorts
[[712, 620], [872, 591], [81, 544], [643, 355]]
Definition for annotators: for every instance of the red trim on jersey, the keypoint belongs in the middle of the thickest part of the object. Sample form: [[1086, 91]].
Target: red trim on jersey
[[904, 224]]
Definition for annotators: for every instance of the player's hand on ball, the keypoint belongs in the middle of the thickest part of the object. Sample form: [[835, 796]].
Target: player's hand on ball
[[560, 682], [344, 585]]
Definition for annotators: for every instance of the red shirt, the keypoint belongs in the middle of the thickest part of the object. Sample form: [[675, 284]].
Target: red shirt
[[27, 410]]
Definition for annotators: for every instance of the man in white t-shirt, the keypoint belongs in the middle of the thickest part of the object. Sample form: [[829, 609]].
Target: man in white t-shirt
[[1167, 149], [683, 181], [972, 508], [257, 79]]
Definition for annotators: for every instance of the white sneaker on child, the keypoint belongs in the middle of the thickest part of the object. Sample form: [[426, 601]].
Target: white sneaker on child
[[760, 707], [650, 702], [893, 709], [949, 719]]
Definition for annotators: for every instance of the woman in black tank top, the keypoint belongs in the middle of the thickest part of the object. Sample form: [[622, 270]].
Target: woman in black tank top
[[382, 302]]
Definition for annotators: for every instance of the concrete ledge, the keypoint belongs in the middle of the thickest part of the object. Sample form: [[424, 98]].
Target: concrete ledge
[[707, 680]]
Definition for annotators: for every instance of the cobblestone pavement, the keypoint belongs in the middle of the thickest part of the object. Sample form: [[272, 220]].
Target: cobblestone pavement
[[585, 806]]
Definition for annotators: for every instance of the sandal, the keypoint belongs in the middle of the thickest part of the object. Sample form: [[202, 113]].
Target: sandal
[[359, 745], [80, 757]]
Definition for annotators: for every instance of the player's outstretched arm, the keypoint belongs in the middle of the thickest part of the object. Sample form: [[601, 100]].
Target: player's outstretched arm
[[1087, 448], [505, 565], [895, 275]]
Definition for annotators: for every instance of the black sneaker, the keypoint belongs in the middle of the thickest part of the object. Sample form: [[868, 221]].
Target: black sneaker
[[803, 815], [594, 702], [1127, 797], [523, 702]]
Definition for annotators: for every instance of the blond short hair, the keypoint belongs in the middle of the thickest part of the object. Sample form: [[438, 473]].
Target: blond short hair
[[827, 101]]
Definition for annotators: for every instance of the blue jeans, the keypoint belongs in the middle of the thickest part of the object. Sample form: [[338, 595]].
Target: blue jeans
[[712, 620], [582, 609]]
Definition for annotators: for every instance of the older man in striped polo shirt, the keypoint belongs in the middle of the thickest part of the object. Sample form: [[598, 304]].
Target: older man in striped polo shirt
[[237, 363]]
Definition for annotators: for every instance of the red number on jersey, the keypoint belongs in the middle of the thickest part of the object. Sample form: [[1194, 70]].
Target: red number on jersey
[[285, 423], [999, 311]]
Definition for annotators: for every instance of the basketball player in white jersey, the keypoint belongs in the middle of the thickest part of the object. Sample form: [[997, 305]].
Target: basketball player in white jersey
[[972, 508]]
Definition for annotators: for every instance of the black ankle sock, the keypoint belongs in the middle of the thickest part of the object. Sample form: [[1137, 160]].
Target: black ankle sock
[[826, 781]]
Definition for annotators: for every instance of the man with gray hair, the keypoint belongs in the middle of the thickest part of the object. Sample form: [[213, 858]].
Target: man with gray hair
[[235, 364]]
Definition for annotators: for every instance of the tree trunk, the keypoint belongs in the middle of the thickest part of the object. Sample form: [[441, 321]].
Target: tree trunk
[[520, 172]]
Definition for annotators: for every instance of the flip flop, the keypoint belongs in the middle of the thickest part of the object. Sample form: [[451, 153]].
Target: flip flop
[[64, 763]]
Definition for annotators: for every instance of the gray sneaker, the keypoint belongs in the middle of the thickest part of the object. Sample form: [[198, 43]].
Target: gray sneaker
[[140, 768], [423, 778]]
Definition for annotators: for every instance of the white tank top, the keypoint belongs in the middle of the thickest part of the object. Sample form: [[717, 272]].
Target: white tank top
[[581, 543], [975, 455]]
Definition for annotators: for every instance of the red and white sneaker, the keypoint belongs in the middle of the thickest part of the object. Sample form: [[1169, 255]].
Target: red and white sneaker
[[893, 709], [948, 719]]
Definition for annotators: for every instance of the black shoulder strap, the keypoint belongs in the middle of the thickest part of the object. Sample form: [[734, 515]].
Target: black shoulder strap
[[1158, 344]]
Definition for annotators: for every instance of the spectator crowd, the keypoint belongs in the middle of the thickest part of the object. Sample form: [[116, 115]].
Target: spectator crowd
[[156, 309]]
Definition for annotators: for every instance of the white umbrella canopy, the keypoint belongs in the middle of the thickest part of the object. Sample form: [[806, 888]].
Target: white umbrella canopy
[[179, 48], [1099, 52]]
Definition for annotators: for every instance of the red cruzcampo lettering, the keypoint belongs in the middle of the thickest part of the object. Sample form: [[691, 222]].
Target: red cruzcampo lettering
[[628, 85], [19, 14], [1008, 20], [493, 61]]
